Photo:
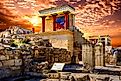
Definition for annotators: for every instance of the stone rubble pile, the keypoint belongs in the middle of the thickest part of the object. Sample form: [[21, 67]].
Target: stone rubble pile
[[28, 55]]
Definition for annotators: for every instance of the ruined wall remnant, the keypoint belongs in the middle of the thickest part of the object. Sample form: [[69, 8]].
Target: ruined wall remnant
[[31, 58], [99, 56], [88, 54], [10, 63]]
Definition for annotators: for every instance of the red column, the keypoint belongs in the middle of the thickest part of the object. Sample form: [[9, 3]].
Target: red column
[[43, 23], [54, 21], [33, 30], [66, 19]]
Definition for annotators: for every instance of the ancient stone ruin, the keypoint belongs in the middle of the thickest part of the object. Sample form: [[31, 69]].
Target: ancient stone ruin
[[28, 56]]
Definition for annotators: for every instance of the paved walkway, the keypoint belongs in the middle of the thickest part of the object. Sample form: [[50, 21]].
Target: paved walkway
[[53, 80], [95, 77]]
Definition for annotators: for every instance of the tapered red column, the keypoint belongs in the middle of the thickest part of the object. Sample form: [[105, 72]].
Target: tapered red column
[[33, 30], [54, 21], [43, 23], [66, 19]]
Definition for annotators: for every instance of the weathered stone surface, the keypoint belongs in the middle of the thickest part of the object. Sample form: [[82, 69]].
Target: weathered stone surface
[[8, 63], [99, 56], [88, 55], [1, 64], [3, 57], [15, 68], [18, 62], [35, 57]]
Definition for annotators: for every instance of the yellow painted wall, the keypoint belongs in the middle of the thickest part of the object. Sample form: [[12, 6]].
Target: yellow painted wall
[[49, 24]]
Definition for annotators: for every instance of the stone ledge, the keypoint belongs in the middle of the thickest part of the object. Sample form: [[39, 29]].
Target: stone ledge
[[61, 32]]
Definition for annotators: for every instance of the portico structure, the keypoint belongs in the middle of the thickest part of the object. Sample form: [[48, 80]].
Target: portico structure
[[58, 25], [56, 18]]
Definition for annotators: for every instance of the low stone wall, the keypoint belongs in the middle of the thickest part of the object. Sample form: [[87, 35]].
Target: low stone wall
[[53, 55], [18, 61], [10, 63]]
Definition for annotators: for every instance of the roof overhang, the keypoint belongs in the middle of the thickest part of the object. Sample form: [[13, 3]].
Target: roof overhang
[[59, 9]]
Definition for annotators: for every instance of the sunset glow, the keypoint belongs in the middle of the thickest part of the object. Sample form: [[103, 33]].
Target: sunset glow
[[35, 20], [92, 16]]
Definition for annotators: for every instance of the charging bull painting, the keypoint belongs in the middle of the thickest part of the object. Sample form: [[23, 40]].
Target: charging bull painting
[[60, 21]]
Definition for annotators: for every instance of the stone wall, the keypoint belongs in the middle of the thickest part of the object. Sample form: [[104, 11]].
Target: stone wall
[[99, 56], [10, 63], [88, 55], [93, 55], [48, 24], [58, 39], [53, 55], [39, 59]]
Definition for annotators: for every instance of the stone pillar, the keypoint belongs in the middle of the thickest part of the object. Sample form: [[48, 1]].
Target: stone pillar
[[54, 21], [43, 23], [88, 55], [99, 55], [66, 19]]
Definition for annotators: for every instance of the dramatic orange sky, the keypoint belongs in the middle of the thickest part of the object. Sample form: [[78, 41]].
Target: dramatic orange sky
[[93, 17]]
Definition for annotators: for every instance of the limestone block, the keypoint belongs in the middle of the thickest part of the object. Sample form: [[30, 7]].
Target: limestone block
[[18, 62], [1, 64], [8, 63], [29, 56], [7, 57], [10, 52], [2, 57], [11, 56], [16, 57], [15, 68]]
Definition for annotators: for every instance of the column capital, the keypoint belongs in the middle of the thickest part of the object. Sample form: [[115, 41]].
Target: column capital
[[55, 14], [66, 12], [43, 16]]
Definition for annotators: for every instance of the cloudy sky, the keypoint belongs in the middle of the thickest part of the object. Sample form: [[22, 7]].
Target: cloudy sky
[[93, 17]]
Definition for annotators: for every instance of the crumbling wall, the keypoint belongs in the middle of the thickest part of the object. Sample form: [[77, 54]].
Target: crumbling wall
[[25, 60], [25, 54], [52, 55], [99, 56], [10, 63], [88, 54]]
